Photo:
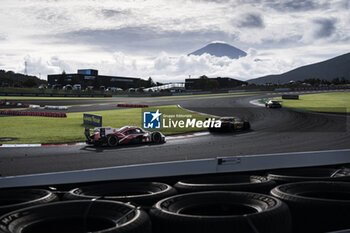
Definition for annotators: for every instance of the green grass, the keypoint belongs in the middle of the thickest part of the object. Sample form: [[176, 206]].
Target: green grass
[[71, 129], [334, 102]]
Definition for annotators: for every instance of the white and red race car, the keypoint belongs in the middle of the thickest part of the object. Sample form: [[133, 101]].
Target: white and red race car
[[127, 135]]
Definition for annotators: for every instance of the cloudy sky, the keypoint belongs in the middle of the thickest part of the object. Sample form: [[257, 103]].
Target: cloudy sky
[[151, 38]]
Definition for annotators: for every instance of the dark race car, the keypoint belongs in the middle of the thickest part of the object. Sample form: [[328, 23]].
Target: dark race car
[[273, 104], [126, 135], [231, 124]]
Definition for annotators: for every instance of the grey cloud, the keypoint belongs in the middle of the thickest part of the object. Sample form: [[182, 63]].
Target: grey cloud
[[345, 4], [251, 20], [295, 5], [144, 39], [108, 13], [50, 15], [324, 27], [218, 1], [289, 41], [302, 5]]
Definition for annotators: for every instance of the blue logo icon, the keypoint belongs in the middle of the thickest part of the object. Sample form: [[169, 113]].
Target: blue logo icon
[[151, 120]]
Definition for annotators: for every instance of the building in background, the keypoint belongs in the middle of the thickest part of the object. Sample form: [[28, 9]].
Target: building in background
[[90, 79], [205, 83]]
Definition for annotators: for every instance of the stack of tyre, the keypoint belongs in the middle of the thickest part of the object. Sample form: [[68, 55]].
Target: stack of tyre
[[284, 201]]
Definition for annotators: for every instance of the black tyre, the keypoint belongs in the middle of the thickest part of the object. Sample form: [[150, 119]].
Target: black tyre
[[316, 206], [20, 198], [156, 137], [138, 193], [245, 183], [308, 174], [97, 144], [112, 140], [210, 212], [232, 128], [246, 125], [77, 216]]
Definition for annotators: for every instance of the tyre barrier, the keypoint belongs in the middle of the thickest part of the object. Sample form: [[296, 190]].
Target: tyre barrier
[[27, 113], [77, 216], [220, 211], [316, 206], [309, 174], [144, 194], [243, 183], [133, 105], [11, 200]]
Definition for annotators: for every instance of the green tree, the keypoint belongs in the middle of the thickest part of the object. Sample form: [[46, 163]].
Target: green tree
[[150, 82], [336, 81], [30, 82]]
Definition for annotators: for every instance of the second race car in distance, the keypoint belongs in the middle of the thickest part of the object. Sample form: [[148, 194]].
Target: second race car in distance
[[125, 135], [273, 104], [231, 124]]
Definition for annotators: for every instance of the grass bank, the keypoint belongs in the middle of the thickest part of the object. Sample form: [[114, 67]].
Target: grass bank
[[333, 102], [71, 129]]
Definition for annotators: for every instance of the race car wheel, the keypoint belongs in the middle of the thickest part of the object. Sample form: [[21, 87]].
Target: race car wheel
[[77, 216], [246, 125], [156, 137], [112, 140], [224, 212], [243, 183], [316, 206], [139, 193], [17, 199]]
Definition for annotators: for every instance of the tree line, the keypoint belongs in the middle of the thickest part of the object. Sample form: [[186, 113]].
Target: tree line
[[12, 79]]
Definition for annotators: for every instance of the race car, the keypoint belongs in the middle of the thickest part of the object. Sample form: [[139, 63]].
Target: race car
[[273, 104], [231, 124], [127, 135]]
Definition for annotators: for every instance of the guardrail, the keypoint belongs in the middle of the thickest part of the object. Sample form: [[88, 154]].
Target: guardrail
[[180, 168]]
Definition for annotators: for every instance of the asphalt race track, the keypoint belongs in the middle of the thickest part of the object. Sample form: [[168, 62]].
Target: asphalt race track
[[273, 131]]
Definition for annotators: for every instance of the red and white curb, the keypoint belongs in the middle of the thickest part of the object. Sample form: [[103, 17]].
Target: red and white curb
[[43, 144], [256, 102], [195, 112], [170, 138], [189, 135]]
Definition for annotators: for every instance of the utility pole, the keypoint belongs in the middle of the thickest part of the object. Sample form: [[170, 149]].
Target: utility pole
[[25, 68]]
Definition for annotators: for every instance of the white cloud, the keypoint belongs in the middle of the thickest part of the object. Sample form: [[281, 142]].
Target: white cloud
[[152, 38]]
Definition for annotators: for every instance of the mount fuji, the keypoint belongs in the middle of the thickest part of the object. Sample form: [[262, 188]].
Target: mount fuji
[[220, 49]]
